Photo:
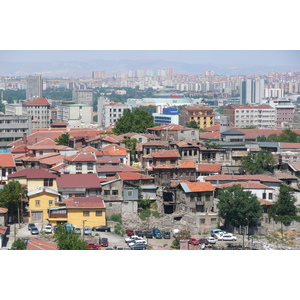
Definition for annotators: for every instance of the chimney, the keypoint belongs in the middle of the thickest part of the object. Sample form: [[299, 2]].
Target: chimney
[[24, 140]]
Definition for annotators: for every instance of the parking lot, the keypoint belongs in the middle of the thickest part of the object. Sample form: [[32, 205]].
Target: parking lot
[[113, 239]]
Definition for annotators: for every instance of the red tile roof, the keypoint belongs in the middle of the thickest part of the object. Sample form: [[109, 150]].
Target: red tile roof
[[200, 186], [35, 244], [81, 157], [78, 181], [39, 101], [3, 229], [246, 185], [7, 160], [165, 154], [133, 176], [3, 210], [290, 146], [84, 202], [262, 178], [209, 168], [32, 174], [168, 127], [187, 164]]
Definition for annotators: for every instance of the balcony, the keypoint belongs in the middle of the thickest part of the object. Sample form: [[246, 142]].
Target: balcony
[[58, 216]]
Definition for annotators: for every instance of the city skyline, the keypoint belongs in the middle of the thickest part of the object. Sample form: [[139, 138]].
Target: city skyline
[[254, 57], [226, 62]]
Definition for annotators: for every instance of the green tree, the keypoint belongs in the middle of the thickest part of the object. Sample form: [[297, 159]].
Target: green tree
[[63, 139], [68, 240], [284, 210], [238, 207], [192, 124], [183, 234], [136, 121], [10, 196], [19, 244], [131, 145], [259, 163]]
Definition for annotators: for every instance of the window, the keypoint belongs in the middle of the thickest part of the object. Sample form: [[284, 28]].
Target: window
[[202, 221], [79, 166], [115, 192], [98, 213], [129, 193], [37, 202], [213, 220], [90, 166], [270, 196], [264, 196], [106, 192], [48, 182], [86, 213], [50, 202]]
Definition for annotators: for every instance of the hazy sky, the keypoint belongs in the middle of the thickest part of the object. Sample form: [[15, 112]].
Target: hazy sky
[[249, 57]]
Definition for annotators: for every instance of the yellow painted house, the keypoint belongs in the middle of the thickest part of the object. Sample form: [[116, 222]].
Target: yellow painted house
[[35, 178], [86, 211], [40, 202], [46, 205]]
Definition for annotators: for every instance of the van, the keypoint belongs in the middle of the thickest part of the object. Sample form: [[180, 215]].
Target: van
[[214, 231]]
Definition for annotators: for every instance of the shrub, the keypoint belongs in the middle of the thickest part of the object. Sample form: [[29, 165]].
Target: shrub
[[116, 218]]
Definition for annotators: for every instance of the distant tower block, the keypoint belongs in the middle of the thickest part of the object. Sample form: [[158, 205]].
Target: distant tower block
[[224, 123]]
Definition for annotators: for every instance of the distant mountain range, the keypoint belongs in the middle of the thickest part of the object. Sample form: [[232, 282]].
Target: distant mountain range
[[84, 68]]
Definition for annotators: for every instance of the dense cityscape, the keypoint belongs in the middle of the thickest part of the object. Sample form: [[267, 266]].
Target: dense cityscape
[[147, 158]]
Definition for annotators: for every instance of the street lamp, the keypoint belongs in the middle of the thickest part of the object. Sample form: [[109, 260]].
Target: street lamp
[[83, 221]]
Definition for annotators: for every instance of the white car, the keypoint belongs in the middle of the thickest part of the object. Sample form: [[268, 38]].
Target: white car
[[140, 242], [48, 229], [132, 239], [228, 237], [211, 240]]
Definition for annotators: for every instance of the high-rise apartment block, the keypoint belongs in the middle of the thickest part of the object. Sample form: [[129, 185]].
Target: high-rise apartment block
[[202, 115], [34, 87], [252, 91], [39, 112], [260, 116], [98, 75], [109, 113], [83, 96]]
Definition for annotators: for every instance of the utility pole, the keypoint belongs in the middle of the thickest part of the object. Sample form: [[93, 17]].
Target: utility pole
[[83, 228]]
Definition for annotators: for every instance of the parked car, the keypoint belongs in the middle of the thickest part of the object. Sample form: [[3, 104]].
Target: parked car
[[77, 230], [34, 230], [68, 226], [138, 247], [101, 228], [148, 234], [118, 248], [92, 245], [132, 239], [30, 225], [87, 230], [203, 241], [157, 233], [139, 233], [104, 242], [142, 242], [228, 237], [129, 232], [193, 241], [211, 240], [48, 228], [214, 231], [166, 234]]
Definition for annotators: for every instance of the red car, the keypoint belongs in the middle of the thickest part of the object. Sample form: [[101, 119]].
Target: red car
[[129, 232], [92, 245], [193, 242], [104, 242], [203, 241]]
